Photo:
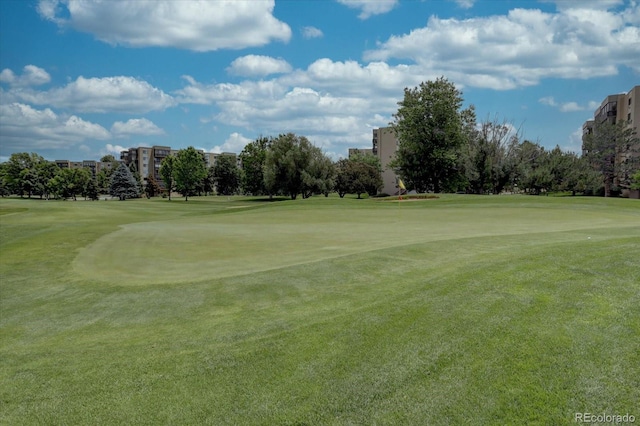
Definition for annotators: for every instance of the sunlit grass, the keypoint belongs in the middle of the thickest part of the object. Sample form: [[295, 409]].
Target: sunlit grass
[[460, 310]]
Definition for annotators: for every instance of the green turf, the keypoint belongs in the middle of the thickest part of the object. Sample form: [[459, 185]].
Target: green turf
[[458, 310]]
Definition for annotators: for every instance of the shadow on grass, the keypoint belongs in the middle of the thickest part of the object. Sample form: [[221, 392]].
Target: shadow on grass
[[266, 199]]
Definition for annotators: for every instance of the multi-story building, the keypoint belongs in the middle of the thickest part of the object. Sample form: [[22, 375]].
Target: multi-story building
[[623, 107], [94, 166], [385, 145], [147, 160]]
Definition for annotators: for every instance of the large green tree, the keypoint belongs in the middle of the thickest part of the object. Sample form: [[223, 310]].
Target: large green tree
[[489, 157], [27, 174], [287, 157], [123, 184], [227, 175], [45, 171], [430, 129], [253, 159], [358, 175], [188, 171], [319, 176], [4, 187], [90, 189], [68, 183]]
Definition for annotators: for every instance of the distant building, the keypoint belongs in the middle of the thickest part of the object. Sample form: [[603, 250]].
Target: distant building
[[146, 159], [94, 166], [385, 145], [614, 109]]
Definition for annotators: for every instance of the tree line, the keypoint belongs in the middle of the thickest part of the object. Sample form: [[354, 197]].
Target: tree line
[[288, 165], [441, 148]]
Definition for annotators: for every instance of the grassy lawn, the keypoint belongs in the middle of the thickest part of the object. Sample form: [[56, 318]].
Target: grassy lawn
[[457, 310]]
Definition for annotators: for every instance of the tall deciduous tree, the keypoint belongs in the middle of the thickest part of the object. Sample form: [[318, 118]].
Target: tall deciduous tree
[[288, 156], [189, 170], [358, 175], [21, 173], [227, 175], [68, 183], [532, 174], [489, 157], [123, 184], [319, 176], [90, 189], [253, 157], [4, 188], [45, 171], [167, 168], [430, 128]]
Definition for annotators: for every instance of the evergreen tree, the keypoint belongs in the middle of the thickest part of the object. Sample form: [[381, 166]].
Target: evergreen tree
[[123, 184]]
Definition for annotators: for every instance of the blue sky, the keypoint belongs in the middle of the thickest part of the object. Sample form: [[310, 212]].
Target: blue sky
[[81, 79]]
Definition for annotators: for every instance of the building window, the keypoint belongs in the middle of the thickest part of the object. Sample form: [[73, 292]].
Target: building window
[[629, 100]]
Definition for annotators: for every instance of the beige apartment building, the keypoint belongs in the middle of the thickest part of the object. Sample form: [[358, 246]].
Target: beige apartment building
[[614, 109], [385, 145], [149, 159], [94, 166]]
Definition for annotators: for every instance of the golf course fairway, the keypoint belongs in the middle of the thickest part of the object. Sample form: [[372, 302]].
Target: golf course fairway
[[236, 310]]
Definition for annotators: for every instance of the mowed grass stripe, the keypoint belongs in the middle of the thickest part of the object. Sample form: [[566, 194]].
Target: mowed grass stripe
[[492, 329]]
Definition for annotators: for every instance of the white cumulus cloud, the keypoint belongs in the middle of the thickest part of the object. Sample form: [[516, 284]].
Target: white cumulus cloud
[[193, 25], [571, 106], [258, 65], [520, 48], [465, 4], [113, 150], [22, 125], [311, 32], [31, 76], [107, 94], [234, 143], [369, 8], [135, 126]]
